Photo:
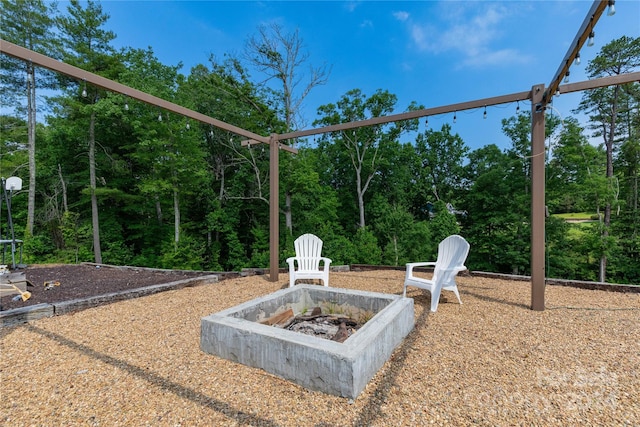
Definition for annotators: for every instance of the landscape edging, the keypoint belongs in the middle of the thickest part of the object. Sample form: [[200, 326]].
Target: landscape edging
[[25, 314]]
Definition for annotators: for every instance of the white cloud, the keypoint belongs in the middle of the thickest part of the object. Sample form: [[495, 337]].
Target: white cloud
[[497, 58], [401, 15], [366, 24], [474, 38], [350, 6], [419, 37], [406, 66]]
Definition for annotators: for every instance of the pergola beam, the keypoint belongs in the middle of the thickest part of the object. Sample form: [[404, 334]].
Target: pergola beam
[[586, 28], [285, 147], [616, 80], [469, 105], [36, 58], [462, 106]]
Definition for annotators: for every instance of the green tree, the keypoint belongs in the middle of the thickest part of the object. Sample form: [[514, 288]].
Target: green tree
[[366, 247], [356, 155], [27, 23], [238, 178], [87, 46], [280, 56], [440, 171], [498, 212], [13, 145], [626, 225], [173, 154], [575, 172], [313, 204], [605, 107], [443, 223], [393, 224]]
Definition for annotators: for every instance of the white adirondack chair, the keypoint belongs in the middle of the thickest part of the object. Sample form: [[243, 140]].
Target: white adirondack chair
[[452, 253], [306, 263]]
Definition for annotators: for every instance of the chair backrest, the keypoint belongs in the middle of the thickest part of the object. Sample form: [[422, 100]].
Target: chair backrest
[[308, 251], [452, 253]]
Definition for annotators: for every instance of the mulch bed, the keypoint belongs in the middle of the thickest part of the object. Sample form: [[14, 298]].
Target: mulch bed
[[86, 280]]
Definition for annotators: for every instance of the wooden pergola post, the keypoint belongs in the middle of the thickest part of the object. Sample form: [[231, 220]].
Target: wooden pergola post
[[274, 207], [537, 198]]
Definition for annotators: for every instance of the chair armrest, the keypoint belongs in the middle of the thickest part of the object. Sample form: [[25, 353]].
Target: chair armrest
[[326, 262], [410, 266]]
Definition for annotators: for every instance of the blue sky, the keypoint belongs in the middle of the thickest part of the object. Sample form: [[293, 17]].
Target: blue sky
[[432, 52]]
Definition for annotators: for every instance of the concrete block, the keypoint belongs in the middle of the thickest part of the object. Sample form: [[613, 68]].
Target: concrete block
[[341, 369]]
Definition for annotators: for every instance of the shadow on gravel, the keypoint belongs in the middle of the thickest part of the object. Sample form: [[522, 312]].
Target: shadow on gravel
[[157, 380], [371, 410]]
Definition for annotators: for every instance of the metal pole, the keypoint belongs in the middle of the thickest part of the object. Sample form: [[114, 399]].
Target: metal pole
[[537, 198], [13, 233], [274, 208]]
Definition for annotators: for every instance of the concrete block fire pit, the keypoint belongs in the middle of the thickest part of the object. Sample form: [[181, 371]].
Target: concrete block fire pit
[[341, 369]]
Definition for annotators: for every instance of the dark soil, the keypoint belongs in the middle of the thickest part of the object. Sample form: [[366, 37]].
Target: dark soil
[[87, 280]]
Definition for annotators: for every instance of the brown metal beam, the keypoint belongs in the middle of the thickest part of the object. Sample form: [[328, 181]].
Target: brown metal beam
[[44, 61], [619, 79], [469, 105], [285, 147], [586, 28], [496, 100]]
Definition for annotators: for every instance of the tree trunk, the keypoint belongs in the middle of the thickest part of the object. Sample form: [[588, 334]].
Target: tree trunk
[[395, 248], [361, 207], [176, 217], [63, 184], [31, 118], [287, 212], [635, 193], [97, 252], [158, 209], [607, 209], [360, 197]]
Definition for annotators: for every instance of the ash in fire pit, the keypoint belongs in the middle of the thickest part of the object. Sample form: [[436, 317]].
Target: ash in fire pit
[[327, 326]]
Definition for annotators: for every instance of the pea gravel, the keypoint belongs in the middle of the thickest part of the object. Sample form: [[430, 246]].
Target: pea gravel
[[489, 362]]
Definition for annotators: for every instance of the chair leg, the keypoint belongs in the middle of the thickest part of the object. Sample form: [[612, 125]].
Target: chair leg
[[435, 298], [455, 291]]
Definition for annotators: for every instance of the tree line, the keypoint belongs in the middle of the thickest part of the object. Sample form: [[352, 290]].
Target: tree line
[[113, 180]]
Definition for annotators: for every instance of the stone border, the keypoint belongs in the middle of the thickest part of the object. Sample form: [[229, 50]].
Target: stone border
[[582, 284]]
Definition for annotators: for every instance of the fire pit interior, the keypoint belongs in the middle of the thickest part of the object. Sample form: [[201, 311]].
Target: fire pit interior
[[375, 325]]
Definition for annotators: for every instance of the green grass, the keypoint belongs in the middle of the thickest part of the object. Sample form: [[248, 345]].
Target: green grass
[[576, 215]]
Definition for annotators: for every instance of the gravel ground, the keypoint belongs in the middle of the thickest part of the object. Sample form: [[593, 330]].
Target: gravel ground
[[488, 362]]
